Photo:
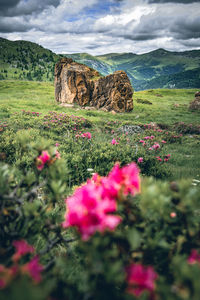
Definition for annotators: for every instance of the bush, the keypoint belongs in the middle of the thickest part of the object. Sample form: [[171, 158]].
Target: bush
[[113, 241]]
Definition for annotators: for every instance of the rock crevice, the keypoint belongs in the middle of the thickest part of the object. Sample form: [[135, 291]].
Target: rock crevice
[[77, 83]]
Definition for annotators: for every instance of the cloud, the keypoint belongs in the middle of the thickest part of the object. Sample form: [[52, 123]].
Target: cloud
[[8, 25], [5, 4], [98, 26], [22, 7]]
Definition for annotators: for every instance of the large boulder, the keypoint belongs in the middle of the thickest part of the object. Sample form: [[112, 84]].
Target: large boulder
[[77, 83], [195, 104]]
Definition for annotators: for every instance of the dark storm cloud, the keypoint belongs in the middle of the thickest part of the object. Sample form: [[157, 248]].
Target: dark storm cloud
[[5, 4], [20, 7], [8, 25], [186, 29]]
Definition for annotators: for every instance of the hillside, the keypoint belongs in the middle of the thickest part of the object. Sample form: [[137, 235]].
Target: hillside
[[157, 69], [26, 60]]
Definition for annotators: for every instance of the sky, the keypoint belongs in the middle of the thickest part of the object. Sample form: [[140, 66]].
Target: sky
[[103, 26]]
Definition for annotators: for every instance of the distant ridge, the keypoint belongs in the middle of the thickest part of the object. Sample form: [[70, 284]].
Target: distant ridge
[[156, 69]]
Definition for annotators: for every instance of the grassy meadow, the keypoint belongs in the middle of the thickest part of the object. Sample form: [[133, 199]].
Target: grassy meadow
[[161, 106]]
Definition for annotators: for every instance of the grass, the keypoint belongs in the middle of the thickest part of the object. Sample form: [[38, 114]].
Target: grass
[[168, 107]]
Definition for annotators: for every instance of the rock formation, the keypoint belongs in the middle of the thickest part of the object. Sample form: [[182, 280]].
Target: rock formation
[[195, 104], [77, 83]]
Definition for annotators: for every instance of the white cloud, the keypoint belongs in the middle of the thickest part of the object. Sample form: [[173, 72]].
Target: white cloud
[[134, 26]]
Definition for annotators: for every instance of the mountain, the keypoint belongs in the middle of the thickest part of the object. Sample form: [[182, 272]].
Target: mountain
[[26, 60], [156, 69]]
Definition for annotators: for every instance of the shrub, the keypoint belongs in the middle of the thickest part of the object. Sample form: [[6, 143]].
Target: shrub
[[117, 243]]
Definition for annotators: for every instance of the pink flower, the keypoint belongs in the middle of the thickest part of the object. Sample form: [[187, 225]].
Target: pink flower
[[164, 142], [158, 158], [126, 178], [86, 135], [194, 257], [114, 142], [140, 279], [173, 214], [33, 269], [152, 137], [22, 248], [57, 144], [42, 160], [88, 210], [140, 159], [58, 154], [156, 146], [141, 141]]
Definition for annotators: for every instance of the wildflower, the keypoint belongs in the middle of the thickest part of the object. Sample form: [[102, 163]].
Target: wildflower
[[58, 156], [86, 135], [90, 208], [42, 160], [194, 257], [156, 146], [33, 269], [140, 279], [22, 248], [140, 159], [114, 142], [173, 214], [57, 144], [159, 158], [164, 142], [141, 141], [90, 212]]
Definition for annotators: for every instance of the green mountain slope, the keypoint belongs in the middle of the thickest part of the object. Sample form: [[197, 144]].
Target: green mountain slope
[[26, 60], [156, 69], [145, 68]]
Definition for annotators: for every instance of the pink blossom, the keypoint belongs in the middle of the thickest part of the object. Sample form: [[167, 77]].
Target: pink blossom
[[164, 142], [57, 144], [33, 269], [194, 257], [140, 159], [22, 248], [158, 158], [173, 214], [156, 146], [42, 160], [58, 156], [141, 141], [146, 137], [152, 137], [86, 135], [114, 142], [127, 178], [90, 208], [140, 279]]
